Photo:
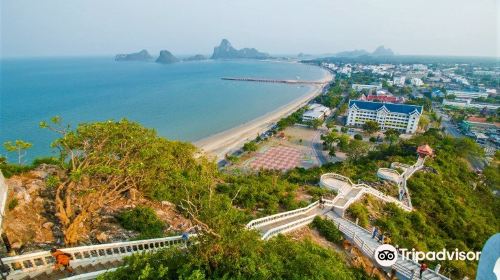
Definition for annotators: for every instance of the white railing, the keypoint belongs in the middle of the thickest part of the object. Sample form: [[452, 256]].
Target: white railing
[[36, 263], [3, 198], [387, 198], [350, 232], [280, 216], [326, 176], [288, 227], [389, 174]]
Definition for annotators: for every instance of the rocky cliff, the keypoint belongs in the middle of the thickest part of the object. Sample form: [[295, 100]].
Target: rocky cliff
[[226, 51], [166, 57]]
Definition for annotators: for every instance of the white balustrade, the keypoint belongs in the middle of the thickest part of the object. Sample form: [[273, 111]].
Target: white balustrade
[[39, 262]]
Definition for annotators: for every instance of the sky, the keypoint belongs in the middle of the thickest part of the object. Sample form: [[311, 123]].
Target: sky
[[31, 28]]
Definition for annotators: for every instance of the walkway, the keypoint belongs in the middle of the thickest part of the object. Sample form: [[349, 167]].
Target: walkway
[[92, 259], [348, 192], [362, 239]]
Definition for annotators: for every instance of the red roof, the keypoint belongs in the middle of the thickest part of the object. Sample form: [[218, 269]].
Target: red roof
[[476, 119], [383, 98], [425, 149]]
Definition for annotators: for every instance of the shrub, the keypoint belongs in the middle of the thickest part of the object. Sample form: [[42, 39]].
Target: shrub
[[327, 229], [359, 211], [52, 181], [143, 220], [373, 139], [46, 160], [358, 137], [344, 129], [13, 203], [250, 147]]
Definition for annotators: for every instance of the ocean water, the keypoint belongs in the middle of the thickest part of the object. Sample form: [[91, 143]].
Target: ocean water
[[183, 101]]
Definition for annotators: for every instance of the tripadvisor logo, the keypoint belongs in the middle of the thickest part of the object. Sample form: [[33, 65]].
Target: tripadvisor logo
[[386, 255]]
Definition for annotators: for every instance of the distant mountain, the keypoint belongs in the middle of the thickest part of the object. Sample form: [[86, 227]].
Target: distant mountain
[[353, 53], [138, 56], [381, 51], [166, 57], [196, 58], [226, 51]]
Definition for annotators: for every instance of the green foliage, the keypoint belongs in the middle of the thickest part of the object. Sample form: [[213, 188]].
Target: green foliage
[[357, 148], [294, 118], [358, 211], [373, 139], [243, 256], [18, 146], [13, 203], [143, 220], [250, 146], [327, 229], [371, 127], [46, 160], [358, 137], [52, 181], [316, 192], [265, 191]]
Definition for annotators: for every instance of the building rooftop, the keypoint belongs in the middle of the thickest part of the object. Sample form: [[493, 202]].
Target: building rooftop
[[391, 107]]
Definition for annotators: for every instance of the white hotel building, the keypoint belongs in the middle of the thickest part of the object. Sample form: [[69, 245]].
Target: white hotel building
[[401, 117]]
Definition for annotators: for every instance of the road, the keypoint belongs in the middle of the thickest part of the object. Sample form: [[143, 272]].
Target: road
[[317, 147], [448, 126]]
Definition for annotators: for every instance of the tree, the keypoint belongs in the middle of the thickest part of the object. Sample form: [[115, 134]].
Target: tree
[[391, 135], [250, 146], [315, 123], [107, 159], [371, 127], [423, 123], [18, 146], [356, 149]]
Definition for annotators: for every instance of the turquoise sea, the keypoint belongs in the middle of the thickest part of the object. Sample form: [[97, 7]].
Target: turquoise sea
[[185, 101]]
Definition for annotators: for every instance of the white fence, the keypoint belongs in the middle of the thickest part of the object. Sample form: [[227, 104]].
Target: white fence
[[401, 267], [36, 263], [280, 216]]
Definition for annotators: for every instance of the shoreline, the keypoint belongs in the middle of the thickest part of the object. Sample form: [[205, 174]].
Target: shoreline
[[230, 140]]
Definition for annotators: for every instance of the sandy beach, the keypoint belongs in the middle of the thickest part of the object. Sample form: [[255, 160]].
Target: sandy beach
[[220, 144]]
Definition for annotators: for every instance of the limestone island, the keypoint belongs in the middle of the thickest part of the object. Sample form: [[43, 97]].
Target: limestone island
[[166, 57], [226, 51], [138, 56]]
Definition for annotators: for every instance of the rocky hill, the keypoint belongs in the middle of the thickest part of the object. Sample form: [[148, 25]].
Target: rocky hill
[[196, 58], [226, 51], [138, 56], [166, 57], [381, 51]]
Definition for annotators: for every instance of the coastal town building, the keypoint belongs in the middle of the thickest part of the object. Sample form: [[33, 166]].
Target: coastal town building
[[467, 103], [382, 98], [399, 81], [401, 117], [467, 94], [370, 88], [417, 82], [316, 112]]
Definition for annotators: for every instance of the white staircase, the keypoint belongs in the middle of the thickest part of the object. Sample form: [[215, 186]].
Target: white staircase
[[405, 269]]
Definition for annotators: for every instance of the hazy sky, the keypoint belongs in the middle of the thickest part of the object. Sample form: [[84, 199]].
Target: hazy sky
[[94, 27]]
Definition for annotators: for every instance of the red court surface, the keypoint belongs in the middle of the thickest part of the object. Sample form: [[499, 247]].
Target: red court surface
[[277, 158]]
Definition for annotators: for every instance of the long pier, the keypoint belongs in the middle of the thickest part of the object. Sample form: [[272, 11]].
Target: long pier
[[273, 81]]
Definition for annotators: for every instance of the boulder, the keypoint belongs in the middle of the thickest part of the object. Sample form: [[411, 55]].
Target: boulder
[[39, 174], [102, 237], [48, 225]]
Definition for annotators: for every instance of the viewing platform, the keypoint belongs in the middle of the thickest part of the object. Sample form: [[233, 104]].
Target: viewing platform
[[258, 80]]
